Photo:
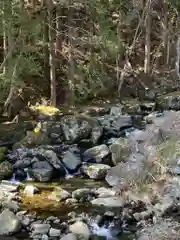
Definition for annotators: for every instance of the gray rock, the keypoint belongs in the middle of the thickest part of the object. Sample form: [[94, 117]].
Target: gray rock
[[42, 171], [11, 205], [120, 150], [9, 223], [134, 171], [95, 171], [96, 133], [23, 163], [75, 128], [103, 192], [71, 161], [80, 229], [53, 159], [116, 110], [40, 228], [96, 153], [122, 121], [108, 202], [69, 236], [53, 232]]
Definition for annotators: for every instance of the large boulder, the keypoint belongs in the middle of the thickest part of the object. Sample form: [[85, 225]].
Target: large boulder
[[42, 171], [75, 129], [9, 223], [135, 171]]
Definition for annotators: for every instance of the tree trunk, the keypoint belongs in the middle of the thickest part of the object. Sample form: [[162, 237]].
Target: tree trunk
[[71, 36], [165, 31], [178, 57], [46, 48], [52, 57], [147, 58]]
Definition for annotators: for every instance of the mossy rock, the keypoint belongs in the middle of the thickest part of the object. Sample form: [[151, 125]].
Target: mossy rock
[[169, 101], [3, 151]]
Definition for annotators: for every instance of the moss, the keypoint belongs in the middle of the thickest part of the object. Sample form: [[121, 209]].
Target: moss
[[3, 151], [45, 110]]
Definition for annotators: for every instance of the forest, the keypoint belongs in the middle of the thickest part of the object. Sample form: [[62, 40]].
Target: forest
[[72, 52]]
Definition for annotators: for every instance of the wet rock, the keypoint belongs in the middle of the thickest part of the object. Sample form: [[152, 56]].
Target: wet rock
[[105, 192], [30, 190], [83, 194], [53, 232], [69, 236], [120, 150], [80, 229], [95, 171], [40, 228], [169, 101], [108, 202], [96, 133], [164, 229], [75, 129], [6, 170], [134, 171], [42, 171], [71, 161], [9, 223], [96, 153], [59, 194]]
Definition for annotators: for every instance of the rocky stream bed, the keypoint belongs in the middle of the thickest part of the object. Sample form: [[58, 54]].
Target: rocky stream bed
[[110, 173]]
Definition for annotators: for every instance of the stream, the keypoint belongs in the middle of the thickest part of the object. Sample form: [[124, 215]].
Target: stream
[[91, 176]]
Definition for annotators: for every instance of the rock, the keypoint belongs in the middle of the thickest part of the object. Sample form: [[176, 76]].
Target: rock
[[171, 125], [9, 223], [134, 171], [75, 129], [30, 190], [71, 161], [80, 229], [9, 186], [40, 228], [163, 229], [108, 202], [3, 151], [116, 110], [11, 205], [122, 121], [69, 236], [169, 101], [96, 153], [53, 232], [103, 192], [23, 163], [95, 171], [42, 171], [120, 150], [96, 133], [82, 194], [59, 194], [6, 169], [52, 158]]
